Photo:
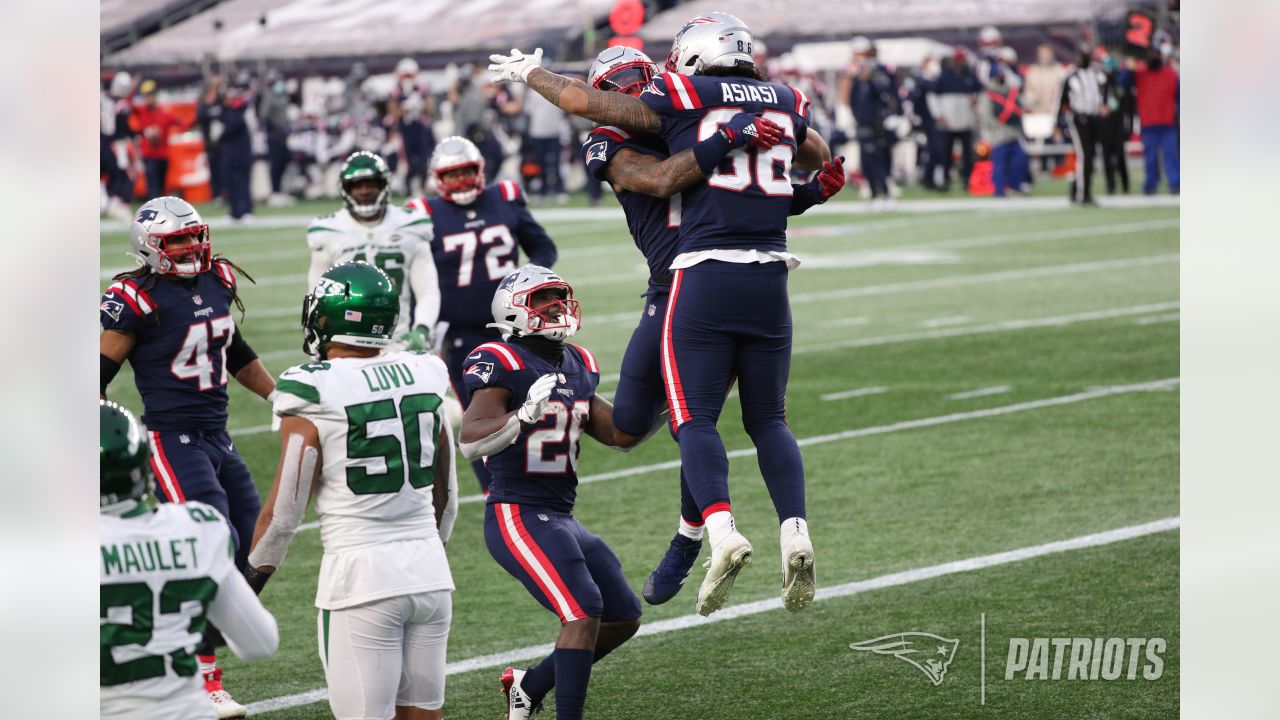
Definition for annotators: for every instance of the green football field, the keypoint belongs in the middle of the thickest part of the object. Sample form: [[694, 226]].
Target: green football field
[[969, 388]]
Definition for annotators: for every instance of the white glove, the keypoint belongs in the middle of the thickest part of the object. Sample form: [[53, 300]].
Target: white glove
[[531, 411], [514, 67]]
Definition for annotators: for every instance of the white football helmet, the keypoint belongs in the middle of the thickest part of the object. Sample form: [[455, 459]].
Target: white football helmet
[[713, 40], [161, 221], [513, 315], [454, 153], [621, 69]]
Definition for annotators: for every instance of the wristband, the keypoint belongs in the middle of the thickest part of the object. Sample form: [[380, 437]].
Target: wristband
[[711, 151]]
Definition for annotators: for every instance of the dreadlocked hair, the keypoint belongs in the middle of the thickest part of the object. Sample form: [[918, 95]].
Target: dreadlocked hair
[[740, 69], [147, 279]]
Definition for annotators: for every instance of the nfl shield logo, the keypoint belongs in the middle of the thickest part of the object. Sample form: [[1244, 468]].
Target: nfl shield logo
[[652, 309], [184, 439], [197, 299]]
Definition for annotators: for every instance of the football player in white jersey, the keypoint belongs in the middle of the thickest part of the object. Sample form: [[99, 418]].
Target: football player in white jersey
[[370, 421], [165, 574], [396, 240]]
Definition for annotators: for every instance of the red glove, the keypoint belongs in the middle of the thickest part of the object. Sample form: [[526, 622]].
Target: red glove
[[831, 177], [768, 133]]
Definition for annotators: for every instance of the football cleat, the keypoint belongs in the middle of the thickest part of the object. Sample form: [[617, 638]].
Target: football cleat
[[728, 557], [519, 706], [666, 580], [798, 581], [223, 703]]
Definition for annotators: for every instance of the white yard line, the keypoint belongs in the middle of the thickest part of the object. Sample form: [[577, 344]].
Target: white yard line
[[734, 612], [860, 392], [980, 392], [946, 321], [1004, 326], [1171, 317]]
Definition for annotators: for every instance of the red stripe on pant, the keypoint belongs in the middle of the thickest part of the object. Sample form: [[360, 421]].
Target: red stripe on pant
[[532, 559], [671, 374], [168, 479]]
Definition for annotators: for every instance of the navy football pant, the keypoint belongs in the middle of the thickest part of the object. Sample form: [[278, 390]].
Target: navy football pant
[[204, 466], [727, 319], [458, 344], [640, 396], [566, 568]]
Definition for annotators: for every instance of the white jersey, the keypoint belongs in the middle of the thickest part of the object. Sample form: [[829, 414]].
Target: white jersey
[[159, 572], [379, 419], [400, 245]]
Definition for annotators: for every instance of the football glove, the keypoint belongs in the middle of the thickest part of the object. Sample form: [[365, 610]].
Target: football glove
[[514, 67], [536, 401], [743, 129], [831, 178], [417, 339]]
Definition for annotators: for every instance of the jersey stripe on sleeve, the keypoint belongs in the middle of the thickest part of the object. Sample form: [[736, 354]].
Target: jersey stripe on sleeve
[[510, 360], [683, 96]]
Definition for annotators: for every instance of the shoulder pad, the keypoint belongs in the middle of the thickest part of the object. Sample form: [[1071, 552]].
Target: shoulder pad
[[680, 88], [801, 101], [501, 352], [128, 292], [510, 191], [417, 205], [587, 358], [201, 512], [225, 273]]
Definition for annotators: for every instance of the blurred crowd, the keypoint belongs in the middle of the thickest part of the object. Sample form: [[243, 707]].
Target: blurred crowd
[[976, 118]]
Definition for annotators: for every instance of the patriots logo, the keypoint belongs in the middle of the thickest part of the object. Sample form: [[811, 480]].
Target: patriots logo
[[147, 215], [652, 87], [926, 652], [482, 370], [597, 152], [112, 308]]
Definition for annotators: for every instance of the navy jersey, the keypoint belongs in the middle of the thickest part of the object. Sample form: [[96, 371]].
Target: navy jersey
[[541, 466], [652, 221], [744, 203], [182, 328], [475, 247]]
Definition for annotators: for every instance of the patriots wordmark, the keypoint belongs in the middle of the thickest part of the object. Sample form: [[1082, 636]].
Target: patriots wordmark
[[928, 653]]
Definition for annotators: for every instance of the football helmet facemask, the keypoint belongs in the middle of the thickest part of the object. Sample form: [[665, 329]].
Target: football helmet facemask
[[457, 153], [713, 40], [621, 69], [158, 228], [354, 303], [514, 314], [364, 165], [123, 459]]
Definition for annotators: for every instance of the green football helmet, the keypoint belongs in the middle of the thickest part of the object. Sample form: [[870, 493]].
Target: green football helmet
[[123, 453], [364, 165], [354, 303]]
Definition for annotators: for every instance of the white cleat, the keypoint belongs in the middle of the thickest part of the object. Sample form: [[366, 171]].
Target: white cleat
[[519, 707], [226, 705], [728, 557], [798, 581]]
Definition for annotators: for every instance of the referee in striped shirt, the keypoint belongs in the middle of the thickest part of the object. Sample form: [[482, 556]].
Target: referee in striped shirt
[[1084, 97]]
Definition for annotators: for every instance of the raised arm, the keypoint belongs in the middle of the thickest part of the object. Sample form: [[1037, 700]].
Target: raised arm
[[574, 96]]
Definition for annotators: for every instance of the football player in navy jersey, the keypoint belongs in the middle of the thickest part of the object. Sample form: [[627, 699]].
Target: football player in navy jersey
[[635, 165], [732, 236], [171, 319], [532, 397], [477, 231]]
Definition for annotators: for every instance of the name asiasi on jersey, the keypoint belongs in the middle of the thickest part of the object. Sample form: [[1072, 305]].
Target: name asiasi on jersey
[[737, 93]]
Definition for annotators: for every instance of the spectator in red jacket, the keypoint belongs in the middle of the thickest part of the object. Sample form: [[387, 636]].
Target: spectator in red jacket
[[154, 124], [1156, 88]]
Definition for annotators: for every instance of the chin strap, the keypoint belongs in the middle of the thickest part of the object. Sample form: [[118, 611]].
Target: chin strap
[[494, 443], [296, 473]]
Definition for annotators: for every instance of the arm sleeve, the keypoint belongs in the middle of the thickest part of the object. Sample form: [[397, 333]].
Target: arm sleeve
[[803, 197], [319, 263], [239, 354], [451, 506], [534, 240], [487, 366], [425, 285], [107, 369], [249, 629]]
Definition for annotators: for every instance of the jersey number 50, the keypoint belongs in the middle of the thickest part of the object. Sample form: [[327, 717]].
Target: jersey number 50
[[773, 180], [417, 454]]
